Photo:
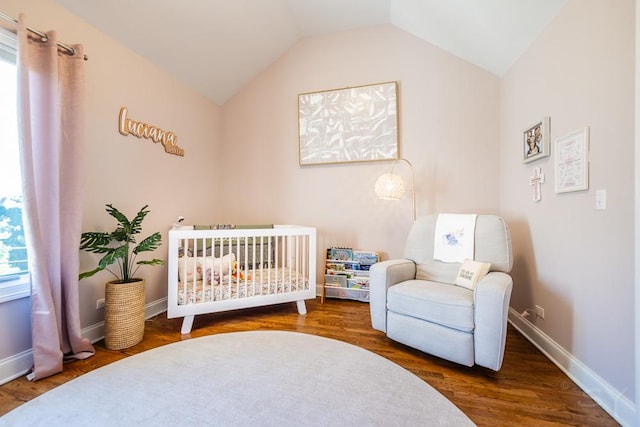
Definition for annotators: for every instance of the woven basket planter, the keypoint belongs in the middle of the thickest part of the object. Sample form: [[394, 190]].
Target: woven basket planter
[[124, 314]]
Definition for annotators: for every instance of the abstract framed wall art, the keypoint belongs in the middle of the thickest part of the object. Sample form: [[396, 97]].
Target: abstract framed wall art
[[354, 124], [572, 162], [535, 141]]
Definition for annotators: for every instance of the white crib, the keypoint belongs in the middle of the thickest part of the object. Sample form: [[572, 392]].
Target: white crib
[[213, 270]]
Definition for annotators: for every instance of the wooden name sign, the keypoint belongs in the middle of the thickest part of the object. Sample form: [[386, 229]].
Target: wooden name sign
[[127, 126]]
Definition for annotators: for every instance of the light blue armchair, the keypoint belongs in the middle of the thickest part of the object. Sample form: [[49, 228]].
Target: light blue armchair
[[414, 301]]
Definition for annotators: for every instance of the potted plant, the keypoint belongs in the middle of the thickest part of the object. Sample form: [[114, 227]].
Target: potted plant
[[124, 296]]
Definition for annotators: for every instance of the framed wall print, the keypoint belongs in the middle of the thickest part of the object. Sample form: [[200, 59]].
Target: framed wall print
[[535, 141], [572, 162], [355, 124]]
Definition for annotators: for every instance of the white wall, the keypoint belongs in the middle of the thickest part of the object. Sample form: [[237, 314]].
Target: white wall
[[637, 210], [448, 112], [460, 126], [572, 260], [576, 262], [123, 170]]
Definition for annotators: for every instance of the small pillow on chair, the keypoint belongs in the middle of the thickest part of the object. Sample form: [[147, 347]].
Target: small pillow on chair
[[471, 272]]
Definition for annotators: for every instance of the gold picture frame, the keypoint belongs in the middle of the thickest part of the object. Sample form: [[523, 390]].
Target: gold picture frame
[[354, 124]]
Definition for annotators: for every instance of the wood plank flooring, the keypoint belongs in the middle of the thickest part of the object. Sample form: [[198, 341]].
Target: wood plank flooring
[[529, 390]]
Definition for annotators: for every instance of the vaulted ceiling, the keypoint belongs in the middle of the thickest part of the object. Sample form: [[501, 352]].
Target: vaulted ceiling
[[217, 46]]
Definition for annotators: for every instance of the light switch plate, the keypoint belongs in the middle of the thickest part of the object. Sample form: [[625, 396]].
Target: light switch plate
[[601, 200]]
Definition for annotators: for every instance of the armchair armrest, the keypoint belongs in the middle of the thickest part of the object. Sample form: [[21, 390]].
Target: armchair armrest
[[492, 296], [383, 275]]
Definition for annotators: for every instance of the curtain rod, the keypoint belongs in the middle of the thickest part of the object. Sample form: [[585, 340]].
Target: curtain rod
[[43, 37]]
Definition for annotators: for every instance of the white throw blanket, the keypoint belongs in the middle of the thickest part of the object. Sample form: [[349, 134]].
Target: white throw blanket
[[454, 237]]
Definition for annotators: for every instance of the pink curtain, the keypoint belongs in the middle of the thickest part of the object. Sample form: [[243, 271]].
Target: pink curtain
[[51, 128]]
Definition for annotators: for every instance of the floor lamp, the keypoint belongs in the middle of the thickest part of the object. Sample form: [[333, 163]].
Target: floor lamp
[[391, 186]]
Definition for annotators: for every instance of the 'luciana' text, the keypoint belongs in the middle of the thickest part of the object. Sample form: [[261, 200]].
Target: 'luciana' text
[[127, 126]]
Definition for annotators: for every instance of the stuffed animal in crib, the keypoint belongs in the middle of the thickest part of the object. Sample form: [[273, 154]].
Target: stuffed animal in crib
[[236, 273], [218, 267]]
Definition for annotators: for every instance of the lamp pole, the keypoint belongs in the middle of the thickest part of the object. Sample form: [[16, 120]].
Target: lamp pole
[[413, 188]]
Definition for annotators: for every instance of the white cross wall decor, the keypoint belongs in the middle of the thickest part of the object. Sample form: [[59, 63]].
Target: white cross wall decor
[[536, 180]]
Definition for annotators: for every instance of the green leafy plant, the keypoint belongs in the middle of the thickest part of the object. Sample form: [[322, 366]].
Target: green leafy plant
[[119, 247]]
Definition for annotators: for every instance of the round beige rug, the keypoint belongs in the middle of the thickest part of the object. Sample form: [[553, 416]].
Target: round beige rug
[[258, 378]]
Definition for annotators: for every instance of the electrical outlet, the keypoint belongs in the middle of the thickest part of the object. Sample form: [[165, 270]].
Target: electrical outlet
[[539, 312], [100, 303]]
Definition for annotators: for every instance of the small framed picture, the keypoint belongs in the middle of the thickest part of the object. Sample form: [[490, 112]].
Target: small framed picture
[[572, 162], [535, 142]]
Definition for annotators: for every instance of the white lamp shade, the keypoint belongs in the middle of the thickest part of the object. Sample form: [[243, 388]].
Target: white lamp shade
[[390, 187]]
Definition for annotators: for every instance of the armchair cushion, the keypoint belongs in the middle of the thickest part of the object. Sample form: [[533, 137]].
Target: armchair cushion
[[441, 303]]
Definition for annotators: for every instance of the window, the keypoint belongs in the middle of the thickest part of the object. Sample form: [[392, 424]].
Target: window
[[14, 277]]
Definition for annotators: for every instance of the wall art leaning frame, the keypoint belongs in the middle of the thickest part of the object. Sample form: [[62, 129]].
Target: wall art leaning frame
[[535, 141], [353, 124]]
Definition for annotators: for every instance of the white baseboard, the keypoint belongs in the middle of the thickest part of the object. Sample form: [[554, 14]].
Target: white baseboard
[[611, 400], [15, 366], [19, 364]]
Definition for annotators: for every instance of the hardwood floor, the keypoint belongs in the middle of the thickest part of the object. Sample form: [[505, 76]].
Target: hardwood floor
[[528, 391]]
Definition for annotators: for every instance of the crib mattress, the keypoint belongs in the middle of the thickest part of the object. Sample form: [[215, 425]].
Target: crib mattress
[[264, 281]]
